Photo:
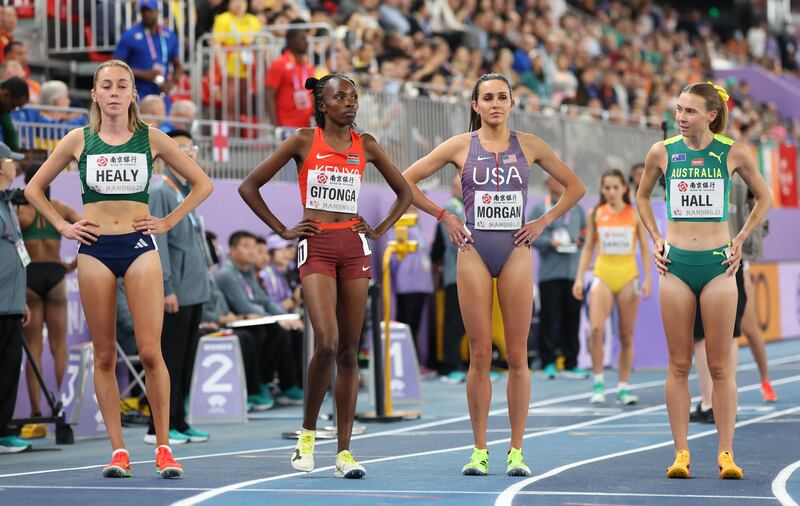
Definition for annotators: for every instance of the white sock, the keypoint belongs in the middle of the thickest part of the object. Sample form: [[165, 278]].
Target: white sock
[[306, 431], [121, 450], [599, 378], [622, 385]]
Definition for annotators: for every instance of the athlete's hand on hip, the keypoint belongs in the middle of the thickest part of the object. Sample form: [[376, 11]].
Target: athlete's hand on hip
[[149, 225], [577, 289], [362, 227], [660, 257], [83, 231], [734, 259], [647, 289], [171, 304], [528, 233], [303, 228], [458, 232]]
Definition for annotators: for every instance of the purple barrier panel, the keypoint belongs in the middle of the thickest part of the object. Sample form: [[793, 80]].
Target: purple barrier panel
[[765, 87], [405, 379], [789, 286], [218, 392], [78, 394]]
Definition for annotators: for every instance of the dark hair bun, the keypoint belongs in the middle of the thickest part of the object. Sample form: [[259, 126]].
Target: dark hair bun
[[311, 83]]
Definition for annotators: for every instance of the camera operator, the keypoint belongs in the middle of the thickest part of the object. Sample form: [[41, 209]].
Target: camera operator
[[13, 311]]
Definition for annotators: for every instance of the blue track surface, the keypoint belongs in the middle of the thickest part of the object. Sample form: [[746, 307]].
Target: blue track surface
[[579, 454]]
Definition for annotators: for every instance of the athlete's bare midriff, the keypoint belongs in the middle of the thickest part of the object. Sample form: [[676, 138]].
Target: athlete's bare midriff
[[115, 216], [698, 235]]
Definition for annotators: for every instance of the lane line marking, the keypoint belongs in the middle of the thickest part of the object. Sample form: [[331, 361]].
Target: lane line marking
[[197, 499], [779, 485]]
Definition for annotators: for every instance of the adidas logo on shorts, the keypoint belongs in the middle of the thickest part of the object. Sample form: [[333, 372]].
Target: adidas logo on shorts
[[141, 244]]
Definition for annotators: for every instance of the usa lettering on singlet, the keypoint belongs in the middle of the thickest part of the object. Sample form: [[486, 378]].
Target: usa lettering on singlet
[[498, 210], [694, 198], [331, 190], [616, 240], [118, 173]]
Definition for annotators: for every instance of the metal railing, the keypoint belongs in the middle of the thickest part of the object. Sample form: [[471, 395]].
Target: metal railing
[[228, 79], [73, 27]]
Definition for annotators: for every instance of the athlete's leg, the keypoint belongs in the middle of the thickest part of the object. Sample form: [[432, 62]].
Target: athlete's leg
[[703, 374], [55, 316], [350, 308], [751, 331], [320, 297], [627, 307], [98, 289], [718, 303], [35, 340], [677, 313], [600, 303], [475, 294], [145, 292]]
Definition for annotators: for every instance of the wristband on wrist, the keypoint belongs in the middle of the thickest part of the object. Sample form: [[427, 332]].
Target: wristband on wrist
[[441, 213]]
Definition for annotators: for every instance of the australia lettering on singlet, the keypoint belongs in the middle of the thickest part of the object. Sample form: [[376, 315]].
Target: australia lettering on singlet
[[118, 173], [333, 188], [697, 192]]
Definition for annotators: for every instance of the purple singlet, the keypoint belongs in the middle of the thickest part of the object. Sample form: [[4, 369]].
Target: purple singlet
[[495, 187]]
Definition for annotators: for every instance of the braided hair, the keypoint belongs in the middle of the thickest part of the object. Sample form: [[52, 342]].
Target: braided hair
[[317, 87]]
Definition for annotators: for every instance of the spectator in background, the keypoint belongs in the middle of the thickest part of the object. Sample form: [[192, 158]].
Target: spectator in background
[[559, 249], [14, 314], [184, 265], [154, 110], [183, 114], [635, 177], [9, 69], [274, 277], [233, 29], [244, 295], [8, 23], [289, 103], [16, 51], [149, 49], [56, 94], [13, 95]]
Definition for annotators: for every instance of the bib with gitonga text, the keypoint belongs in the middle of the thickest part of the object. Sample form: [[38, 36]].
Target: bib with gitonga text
[[495, 210], [333, 191], [616, 240], [118, 173], [697, 198]]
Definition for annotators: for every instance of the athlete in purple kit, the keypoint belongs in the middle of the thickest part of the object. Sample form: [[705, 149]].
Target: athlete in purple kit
[[494, 163]]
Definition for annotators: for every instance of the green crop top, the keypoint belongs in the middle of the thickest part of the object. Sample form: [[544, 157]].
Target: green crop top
[[116, 172], [698, 183], [40, 229]]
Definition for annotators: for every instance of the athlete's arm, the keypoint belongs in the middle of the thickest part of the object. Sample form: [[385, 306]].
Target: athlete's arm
[[446, 152], [293, 147], [375, 154], [67, 150], [536, 150], [644, 246], [654, 165], [745, 166], [66, 211], [586, 256], [162, 146], [25, 214]]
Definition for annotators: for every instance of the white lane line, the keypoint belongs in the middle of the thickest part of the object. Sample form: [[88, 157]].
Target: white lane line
[[507, 496], [547, 402], [779, 485], [197, 499], [309, 491]]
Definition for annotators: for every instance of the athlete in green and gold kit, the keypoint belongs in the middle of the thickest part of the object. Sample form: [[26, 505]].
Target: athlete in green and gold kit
[[698, 257]]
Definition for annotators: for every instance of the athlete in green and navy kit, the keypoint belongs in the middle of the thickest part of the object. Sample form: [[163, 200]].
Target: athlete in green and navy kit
[[115, 159], [698, 258]]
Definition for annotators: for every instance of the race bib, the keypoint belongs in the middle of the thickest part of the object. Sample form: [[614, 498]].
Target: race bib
[[616, 240], [118, 173], [697, 198], [498, 210], [332, 191]]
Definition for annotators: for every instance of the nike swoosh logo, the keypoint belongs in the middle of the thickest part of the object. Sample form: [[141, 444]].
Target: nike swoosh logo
[[365, 269], [320, 157], [296, 455], [482, 158]]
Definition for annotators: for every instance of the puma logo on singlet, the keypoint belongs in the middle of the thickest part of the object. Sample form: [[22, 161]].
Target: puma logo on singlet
[[717, 156], [720, 253]]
